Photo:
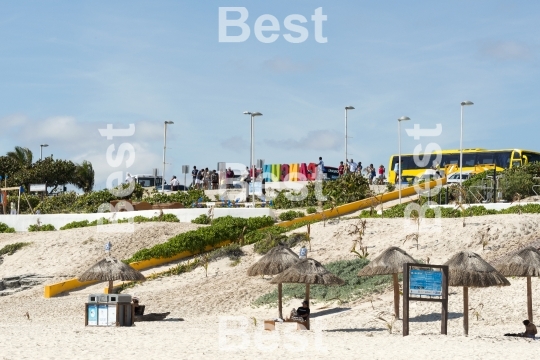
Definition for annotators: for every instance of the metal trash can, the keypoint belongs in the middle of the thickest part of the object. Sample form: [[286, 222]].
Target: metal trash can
[[109, 310]]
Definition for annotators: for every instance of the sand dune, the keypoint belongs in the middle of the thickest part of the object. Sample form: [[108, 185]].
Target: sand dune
[[56, 326]]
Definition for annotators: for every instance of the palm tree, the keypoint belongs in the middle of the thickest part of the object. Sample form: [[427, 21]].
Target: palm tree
[[23, 156], [84, 176]]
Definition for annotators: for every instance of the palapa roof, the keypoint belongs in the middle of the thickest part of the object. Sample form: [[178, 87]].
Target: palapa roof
[[525, 262], [389, 262], [468, 269], [307, 271], [274, 262], [111, 269]]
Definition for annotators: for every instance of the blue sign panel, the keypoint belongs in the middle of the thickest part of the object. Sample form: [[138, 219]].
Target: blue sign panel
[[425, 281]]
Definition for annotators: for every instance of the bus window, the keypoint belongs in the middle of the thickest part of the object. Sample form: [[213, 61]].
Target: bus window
[[450, 159], [531, 157]]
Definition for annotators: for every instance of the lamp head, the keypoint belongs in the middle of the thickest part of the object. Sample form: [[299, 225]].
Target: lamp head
[[169, 122], [349, 107], [247, 112], [256, 114], [465, 103], [44, 145], [404, 118]]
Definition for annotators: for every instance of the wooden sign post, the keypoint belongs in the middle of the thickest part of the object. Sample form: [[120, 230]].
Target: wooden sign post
[[428, 283]]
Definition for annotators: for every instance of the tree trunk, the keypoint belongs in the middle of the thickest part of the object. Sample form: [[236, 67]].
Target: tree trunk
[[396, 295], [465, 311], [529, 299]]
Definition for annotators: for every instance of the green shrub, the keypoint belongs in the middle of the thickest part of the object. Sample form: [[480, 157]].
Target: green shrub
[[355, 287], [45, 227], [272, 240], [232, 251], [202, 219], [224, 228], [6, 229], [12, 248], [311, 210], [345, 189], [76, 224], [290, 215]]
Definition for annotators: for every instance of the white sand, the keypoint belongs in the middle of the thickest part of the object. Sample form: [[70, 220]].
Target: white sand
[[56, 326]]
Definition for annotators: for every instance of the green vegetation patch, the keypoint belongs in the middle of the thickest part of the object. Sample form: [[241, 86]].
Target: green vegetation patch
[[223, 228], [6, 229], [355, 287], [290, 215], [44, 227], [12, 248], [202, 219]]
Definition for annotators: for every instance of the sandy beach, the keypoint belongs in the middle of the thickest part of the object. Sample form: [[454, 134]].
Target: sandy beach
[[214, 316]]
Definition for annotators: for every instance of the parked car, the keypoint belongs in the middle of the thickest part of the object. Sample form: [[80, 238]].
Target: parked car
[[454, 178]]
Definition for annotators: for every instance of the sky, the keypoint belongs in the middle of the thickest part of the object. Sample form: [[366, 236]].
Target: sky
[[70, 68]]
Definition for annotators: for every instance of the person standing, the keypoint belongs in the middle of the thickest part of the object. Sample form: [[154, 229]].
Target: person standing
[[320, 167], [194, 173], [200, 177], [341, 169], [381, 174], [215, 180], [206, 179], [396, 171], [174, 183], [352, 165]]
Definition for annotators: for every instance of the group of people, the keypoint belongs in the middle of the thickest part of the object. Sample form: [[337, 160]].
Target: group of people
[[375, 176], [204, 179]]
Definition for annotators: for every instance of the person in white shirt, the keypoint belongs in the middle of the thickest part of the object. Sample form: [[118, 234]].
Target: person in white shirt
[[129, 178], [174, 183], [352, 165], [320, 166]]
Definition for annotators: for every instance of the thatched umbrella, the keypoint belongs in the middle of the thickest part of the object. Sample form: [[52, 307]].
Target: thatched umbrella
[[110, 269], [524, 263], [274, 262], [307, 271], [468, 269], [389, 262]]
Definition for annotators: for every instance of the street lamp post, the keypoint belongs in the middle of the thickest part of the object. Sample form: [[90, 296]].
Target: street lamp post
[[165, 123], [252, 152], [403, 118], [346, 108], [463, 103], [41, 150]]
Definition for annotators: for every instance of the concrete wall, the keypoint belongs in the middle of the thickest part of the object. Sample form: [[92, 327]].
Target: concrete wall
[[22, 222]]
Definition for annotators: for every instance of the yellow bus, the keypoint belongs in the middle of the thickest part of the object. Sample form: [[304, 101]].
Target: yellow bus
[[474, 160]]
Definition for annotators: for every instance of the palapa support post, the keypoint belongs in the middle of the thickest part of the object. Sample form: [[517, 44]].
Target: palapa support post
[[396, 295], [111, 288], [307, 293], [280, 304], [405, 299], [465, 311], [529, 299]]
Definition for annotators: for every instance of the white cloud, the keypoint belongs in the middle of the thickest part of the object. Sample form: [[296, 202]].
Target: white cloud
[[235, 143], [322, 140], [506, 50], [285, 65]]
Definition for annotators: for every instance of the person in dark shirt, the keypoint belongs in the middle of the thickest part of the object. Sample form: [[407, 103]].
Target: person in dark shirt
[[300, 314], [303, 311]]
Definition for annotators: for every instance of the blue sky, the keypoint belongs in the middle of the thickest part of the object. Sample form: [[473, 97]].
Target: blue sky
[[69, 68]]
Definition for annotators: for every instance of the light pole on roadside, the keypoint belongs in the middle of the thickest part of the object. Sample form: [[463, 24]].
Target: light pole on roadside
[[165, 123], [346, 108], [463, 103], [252, 152], [41, 150], [403, 118]]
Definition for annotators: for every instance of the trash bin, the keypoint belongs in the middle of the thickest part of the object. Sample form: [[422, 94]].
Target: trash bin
[[109, 310]]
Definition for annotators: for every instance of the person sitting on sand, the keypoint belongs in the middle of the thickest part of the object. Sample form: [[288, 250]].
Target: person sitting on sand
[[138, 309], [302, 313], [530, 329]]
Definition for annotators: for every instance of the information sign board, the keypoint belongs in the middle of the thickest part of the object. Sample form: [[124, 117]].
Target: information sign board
[[425, 281]]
